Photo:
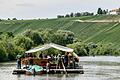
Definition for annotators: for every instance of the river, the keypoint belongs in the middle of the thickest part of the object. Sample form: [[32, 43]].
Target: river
[[96, 68]]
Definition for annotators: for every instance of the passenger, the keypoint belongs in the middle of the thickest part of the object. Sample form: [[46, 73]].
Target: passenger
[[30, 59], [59, 64], [30, 55], [70, 57], [45, 56], [71, 60], [41, 56], [18, 57], [52, 57], [48, 57], [34, 55], [66, 59], [47, 67]]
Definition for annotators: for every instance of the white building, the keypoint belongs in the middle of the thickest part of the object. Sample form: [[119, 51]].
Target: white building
[[114, 12]]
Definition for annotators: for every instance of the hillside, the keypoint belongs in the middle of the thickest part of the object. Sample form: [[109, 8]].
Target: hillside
[[106, 32]]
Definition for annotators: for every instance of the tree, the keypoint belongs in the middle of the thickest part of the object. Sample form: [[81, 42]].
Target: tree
[[67, 15], [77, 14], [99, 11], [1, 33], [118, 11], [63, 37], [7, 50], [8, 19], [47, 35], [71, 15], [60, 16], [102, 49], [10, 50], [92, 14], [104, 12], [0, 19], [34, 36], [10, 34], [79, 48], [23, 42], [3, 55], [14, 19]]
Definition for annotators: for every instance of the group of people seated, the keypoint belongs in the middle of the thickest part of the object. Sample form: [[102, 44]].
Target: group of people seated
[[65, 60]]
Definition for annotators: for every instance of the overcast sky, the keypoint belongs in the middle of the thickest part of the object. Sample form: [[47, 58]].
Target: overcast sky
[[27, 9]]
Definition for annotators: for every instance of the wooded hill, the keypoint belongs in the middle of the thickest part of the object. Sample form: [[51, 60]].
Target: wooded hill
[[105, 32]]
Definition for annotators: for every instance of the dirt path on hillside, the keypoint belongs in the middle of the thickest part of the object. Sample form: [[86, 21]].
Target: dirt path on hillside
[[97, 20]]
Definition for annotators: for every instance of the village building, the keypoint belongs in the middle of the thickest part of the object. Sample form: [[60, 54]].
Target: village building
[[114, 12]]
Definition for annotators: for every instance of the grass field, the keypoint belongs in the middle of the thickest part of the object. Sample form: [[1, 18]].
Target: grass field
[[108, 32]]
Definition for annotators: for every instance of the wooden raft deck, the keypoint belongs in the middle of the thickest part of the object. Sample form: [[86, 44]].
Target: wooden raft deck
[[19, 71], [51, 71]]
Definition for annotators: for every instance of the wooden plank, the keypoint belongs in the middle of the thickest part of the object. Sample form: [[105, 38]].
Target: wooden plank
[[51, 71]]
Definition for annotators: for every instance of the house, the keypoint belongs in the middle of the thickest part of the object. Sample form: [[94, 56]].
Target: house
[[115, 11]]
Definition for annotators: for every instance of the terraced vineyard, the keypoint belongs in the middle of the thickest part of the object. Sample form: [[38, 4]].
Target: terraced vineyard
[[106, 32]]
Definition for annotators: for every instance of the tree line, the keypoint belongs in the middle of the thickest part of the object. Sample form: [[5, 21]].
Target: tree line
[[78, 14], [102, 11], [99, 11], [11, 45]]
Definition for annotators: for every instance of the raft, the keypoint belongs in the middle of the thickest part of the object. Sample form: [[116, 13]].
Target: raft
[[51, 71], [50, 64], [19, 71]]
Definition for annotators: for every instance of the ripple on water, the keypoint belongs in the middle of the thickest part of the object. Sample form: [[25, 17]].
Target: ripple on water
[[96, 68]]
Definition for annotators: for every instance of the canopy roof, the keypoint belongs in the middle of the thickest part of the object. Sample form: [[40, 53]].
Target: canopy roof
[[51, 45]]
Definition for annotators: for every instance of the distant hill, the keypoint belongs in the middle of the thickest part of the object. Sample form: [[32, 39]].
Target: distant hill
[[106, 32]]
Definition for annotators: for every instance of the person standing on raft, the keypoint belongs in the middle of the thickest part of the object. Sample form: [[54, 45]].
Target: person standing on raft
[[18, 57]]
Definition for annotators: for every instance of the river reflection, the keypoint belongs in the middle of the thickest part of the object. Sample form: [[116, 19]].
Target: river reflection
[[96, 68]]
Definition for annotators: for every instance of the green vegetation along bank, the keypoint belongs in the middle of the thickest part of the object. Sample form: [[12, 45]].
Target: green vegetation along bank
[[88, 38]]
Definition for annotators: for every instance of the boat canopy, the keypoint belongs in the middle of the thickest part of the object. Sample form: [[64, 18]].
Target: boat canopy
[[51, 45]]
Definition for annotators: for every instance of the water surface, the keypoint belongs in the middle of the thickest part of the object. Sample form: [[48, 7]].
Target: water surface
[[96, 68]]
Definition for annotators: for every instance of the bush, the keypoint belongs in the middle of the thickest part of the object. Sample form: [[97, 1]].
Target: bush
[[102, 49], [51, 51], [64, 37], [23, 42], [47, 35], [3, 55], [79, 48], [34, 36]]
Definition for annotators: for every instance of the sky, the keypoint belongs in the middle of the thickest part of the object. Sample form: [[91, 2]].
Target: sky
[[34, 9]]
